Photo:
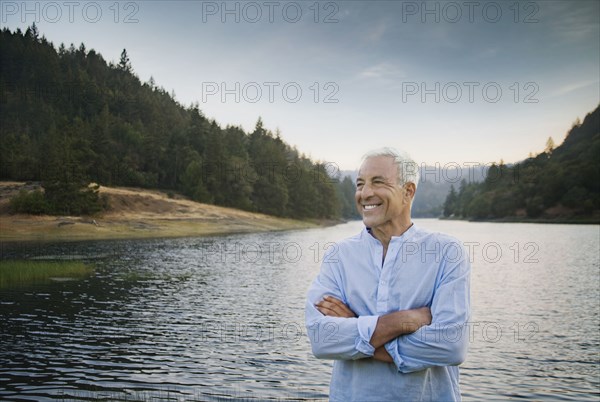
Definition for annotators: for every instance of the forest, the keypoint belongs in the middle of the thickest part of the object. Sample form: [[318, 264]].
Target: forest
[[561, 183], [69, 119]]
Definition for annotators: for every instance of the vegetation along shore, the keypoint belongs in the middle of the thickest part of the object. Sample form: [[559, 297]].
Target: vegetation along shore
[[19, 273], [134, 213]]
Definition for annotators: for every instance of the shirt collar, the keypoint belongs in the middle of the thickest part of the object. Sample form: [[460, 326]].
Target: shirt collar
[[409, 233]]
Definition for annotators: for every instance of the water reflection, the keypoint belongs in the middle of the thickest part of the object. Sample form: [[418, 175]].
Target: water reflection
[[222, 317]]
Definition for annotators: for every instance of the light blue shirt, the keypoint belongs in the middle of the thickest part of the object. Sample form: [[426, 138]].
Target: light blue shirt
[[421, 268]]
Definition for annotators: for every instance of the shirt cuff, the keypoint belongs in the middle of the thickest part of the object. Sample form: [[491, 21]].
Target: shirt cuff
[[392, 349], [366, 326]]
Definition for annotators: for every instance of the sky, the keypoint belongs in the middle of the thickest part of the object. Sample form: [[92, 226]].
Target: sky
[[450, 82]]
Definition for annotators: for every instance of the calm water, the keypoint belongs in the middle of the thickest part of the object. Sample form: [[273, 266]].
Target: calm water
[[221, 318]]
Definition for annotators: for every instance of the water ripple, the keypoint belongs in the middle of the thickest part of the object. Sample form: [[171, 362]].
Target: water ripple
[[173, 319]]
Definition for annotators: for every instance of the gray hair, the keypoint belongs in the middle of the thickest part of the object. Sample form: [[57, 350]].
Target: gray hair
[[408, 170]]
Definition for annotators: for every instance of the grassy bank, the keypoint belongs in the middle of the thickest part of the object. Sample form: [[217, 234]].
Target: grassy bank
[[136, 213], [47, 228], [19, 273]]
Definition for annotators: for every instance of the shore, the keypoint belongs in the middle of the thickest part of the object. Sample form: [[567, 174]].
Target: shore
[[558, 220], [136, 213]]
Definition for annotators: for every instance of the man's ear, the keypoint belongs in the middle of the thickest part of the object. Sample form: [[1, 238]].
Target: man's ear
[[410, 189]]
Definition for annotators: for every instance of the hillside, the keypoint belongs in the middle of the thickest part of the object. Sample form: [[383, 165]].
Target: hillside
[[561, 184], [70, 118], [135, 213]]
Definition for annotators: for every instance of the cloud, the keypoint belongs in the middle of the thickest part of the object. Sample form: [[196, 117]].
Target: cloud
[[574, 24], [565, 89], [376, 33], [383, 71], [489, 52]]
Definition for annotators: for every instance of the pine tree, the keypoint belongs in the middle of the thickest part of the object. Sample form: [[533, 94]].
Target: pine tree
[[450, 203], [124, 62]]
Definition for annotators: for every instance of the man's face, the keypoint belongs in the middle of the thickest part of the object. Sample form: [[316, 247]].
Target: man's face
[[379, 198]]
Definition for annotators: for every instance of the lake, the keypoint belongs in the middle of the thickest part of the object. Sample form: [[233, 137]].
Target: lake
[[222, 318]]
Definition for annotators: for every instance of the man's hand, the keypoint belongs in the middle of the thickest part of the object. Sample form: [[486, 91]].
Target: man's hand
[[398, 323], [332, 307], [388, 327], [382, 355], [419, 317]]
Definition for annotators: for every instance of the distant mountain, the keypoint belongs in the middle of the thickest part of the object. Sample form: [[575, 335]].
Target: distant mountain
[[434, 185], [561, 183]]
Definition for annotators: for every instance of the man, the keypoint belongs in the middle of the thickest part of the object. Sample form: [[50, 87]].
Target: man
[[391, 303]]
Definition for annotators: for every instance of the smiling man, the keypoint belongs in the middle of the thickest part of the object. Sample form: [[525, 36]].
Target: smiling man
[[391, 304]]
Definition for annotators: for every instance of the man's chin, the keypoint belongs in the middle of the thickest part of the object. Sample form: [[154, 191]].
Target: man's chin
[[368, 222]]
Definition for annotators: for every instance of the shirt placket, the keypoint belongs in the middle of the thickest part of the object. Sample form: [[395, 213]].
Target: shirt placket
[[383, 291]]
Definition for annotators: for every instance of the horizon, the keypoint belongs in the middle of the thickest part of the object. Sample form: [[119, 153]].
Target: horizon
[[537, 61]]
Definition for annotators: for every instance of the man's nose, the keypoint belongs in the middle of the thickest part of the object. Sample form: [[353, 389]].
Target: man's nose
[[367, 191]]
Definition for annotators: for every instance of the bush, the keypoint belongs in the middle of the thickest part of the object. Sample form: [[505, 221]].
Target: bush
[[27, 202], [575, 197], [534, 206], [65, 198], [479, 207], [59, 200]]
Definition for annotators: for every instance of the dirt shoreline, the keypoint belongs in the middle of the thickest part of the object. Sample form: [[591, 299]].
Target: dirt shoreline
[[135, 214]]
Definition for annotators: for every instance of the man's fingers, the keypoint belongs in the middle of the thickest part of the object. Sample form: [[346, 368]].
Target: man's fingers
[[330, 306], [425, 315], [333, 304], [325, 309], [340, 306], [333, 300]]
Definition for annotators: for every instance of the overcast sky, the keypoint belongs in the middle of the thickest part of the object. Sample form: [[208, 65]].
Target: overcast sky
[[447, 81]]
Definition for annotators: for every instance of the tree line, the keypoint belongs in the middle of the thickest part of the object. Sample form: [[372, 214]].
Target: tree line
[[560, 182], [69, 119]]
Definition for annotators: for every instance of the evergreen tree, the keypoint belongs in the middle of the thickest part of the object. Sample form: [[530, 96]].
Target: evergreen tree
[[450, 203], [66, 187], [192, 180], [565, 176], [124, 62]]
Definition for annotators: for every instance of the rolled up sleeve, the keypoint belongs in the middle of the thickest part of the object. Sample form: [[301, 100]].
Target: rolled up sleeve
[[445, 341], [336, 337]]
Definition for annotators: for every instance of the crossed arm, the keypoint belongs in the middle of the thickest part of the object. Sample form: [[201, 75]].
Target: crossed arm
[[388, 327]]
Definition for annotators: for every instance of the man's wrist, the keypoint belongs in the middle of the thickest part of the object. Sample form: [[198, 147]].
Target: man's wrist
[[405, 322], [398, 323]]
